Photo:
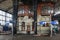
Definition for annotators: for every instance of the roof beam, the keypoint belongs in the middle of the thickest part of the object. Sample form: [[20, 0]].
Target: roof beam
[[9, 8], [6, 11]]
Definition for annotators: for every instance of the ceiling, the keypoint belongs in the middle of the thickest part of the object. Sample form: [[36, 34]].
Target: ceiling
[[7, 5]]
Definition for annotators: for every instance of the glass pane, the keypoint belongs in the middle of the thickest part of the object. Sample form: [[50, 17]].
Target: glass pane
[[10, 18], [7, 14], [10, 15], [0, 12], [3, 17], [7, 19], [3, 23], [0, 22], [0, 17], [3, 13], [21, 11]]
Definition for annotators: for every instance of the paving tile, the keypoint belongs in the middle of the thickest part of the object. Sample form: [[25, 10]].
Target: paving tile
[[29, 37]]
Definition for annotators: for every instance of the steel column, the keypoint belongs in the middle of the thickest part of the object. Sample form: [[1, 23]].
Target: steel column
[[35, 15], [15, 15]]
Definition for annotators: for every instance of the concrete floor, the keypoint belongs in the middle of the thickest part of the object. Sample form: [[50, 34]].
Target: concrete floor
[[5, 37], [28, 37]]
